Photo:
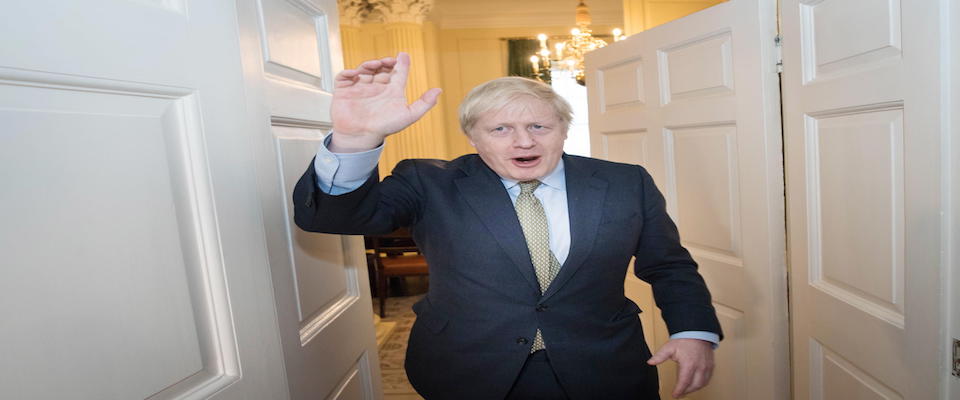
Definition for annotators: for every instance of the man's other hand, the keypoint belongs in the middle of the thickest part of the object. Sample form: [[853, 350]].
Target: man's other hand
[[694, 360], [370, 103]]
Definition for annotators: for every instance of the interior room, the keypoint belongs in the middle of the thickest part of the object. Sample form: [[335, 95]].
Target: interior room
[[172, 224]]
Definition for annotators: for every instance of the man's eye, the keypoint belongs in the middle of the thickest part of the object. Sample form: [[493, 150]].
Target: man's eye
[[537, 128]]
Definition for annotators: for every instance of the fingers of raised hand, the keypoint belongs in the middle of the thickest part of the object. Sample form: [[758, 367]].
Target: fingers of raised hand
[[401, 68], [345, 78], [388, 62], [373, 67], [382, 77], [378, 71], [425, 102], [364, 78], [370, 67]]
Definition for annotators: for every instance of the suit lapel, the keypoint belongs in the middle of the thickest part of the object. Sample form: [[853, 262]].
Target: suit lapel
[[585, 195], [484, 192]]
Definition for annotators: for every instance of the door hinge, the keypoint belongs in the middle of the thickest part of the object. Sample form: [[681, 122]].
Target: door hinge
[[778, 43], [956, 357]]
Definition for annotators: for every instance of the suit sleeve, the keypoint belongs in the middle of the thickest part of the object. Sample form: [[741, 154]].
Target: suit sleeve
[[374, 208], [679, 290]]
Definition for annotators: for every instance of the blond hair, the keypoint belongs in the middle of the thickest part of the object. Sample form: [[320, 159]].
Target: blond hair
[[499, 93]]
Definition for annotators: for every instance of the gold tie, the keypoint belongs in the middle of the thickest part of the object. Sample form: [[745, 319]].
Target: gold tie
[[533, 221]]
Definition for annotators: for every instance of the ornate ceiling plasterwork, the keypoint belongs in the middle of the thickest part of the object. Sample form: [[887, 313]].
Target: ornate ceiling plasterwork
[[358, 12], [355, 12]]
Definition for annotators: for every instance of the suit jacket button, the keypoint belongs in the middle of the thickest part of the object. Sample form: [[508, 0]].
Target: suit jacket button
[[541, 307], [521, 340]]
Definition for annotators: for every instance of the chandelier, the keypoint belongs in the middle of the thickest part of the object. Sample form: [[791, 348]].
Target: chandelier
[[569, 53]]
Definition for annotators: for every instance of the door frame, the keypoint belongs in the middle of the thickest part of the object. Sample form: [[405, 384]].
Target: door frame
[[950, 156]]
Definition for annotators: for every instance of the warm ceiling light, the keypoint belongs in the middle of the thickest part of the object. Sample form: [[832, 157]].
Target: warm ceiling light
[[569, 53]]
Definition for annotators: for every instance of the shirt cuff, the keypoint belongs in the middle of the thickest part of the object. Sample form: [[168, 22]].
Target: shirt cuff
[[701, 335], [339, 173]]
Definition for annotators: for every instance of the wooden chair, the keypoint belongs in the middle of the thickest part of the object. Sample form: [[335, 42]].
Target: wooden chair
[[395, 254]]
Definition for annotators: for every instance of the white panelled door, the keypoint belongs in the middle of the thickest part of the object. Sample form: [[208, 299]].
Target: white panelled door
[[862, 123], [291, 51], [696, 102], [133, 260]]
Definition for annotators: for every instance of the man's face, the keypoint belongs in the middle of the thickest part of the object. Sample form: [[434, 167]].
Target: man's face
[[523, 141]]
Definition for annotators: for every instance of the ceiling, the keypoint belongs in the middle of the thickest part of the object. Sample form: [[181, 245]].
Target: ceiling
[[460, 14]]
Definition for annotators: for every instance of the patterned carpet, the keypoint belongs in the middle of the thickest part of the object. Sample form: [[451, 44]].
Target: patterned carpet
[[395, 384]]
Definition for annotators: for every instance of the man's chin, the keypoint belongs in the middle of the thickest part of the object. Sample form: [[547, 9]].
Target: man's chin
[[525, 175]]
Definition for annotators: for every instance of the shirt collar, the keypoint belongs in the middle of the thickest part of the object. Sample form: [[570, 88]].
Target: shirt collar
[[555, 179]]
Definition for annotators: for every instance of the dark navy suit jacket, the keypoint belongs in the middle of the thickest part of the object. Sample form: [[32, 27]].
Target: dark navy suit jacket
[[475, 326]]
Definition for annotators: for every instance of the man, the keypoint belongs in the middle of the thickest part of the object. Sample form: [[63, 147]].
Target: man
[[527, 246]]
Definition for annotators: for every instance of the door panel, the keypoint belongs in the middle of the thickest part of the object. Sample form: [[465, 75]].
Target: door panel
[[861, 121], [695, 102], [290, 54], [126, 213]]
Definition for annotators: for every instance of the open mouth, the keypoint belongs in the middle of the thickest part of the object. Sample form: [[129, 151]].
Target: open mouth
[[526, 161]]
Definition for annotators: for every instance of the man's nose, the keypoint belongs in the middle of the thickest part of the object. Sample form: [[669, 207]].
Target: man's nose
[[524, 140]]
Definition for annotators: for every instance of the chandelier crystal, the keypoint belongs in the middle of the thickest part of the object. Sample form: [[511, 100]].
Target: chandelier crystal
[[568, 54]]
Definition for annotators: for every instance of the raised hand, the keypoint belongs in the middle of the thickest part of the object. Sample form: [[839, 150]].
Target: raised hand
[[370, 103]]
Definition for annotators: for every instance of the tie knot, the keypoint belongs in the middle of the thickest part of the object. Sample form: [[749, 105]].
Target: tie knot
[[528, 187]]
